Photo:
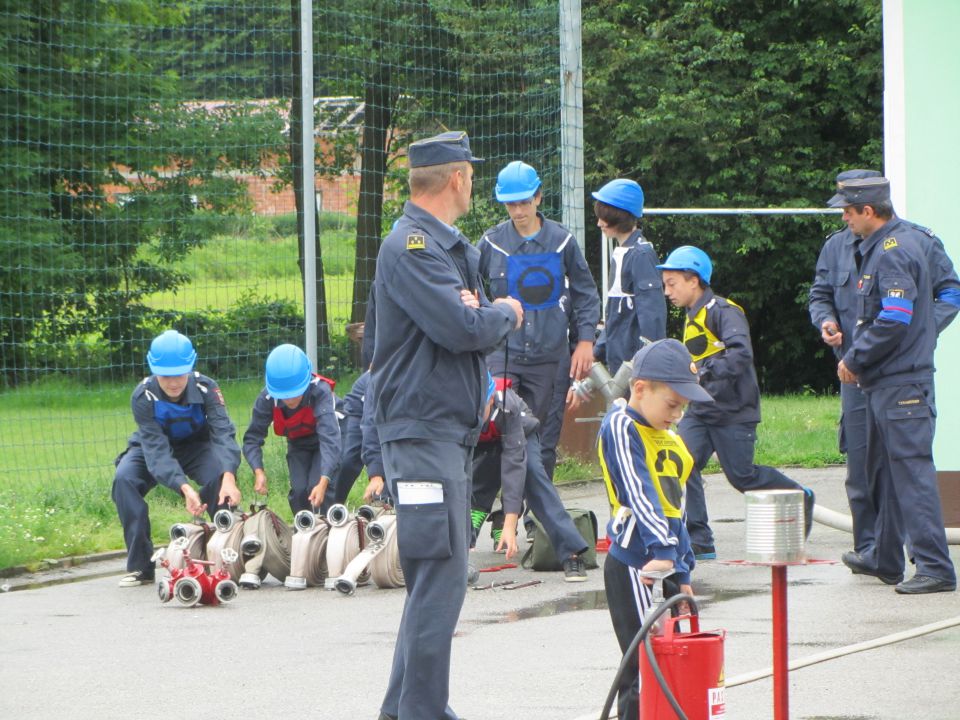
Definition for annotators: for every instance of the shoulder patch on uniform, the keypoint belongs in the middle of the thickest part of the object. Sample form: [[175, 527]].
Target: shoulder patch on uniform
[[416, 242], [889, 244]]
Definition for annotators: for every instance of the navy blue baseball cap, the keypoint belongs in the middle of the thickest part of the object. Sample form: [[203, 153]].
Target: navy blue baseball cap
[[448, 147], [861, 191], [669, 362]]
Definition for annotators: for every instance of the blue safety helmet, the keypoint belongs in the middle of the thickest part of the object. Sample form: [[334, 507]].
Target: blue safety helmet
[[517, 181], [171, 354], [622, 193], [289, 372], [691, 259]]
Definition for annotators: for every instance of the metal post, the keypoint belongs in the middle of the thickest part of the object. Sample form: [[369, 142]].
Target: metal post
[[309, 184], [571, 119], [781, 670]]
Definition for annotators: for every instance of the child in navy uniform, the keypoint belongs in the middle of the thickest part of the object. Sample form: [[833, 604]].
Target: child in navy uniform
[[183, 430], [645, 467], [301, 407], [718, 337], [636, 308], [508, 460]]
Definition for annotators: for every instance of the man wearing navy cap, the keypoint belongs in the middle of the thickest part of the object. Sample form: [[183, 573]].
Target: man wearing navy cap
[[433, 327], [891, 358], [833, 312]]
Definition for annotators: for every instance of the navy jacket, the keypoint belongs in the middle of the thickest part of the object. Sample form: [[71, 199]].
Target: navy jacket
[[543, 335], [896, 330], [729, 376], [833, 295], [326, 436], [513, 422], [636, 305], [429, 375], [158, 447]]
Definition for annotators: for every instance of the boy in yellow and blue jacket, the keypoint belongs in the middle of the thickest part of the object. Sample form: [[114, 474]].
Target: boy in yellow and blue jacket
[[645, 467]]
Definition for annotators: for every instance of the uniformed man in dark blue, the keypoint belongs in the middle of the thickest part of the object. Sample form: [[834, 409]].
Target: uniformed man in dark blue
[[891, 358], [833, 311], [433, 327]]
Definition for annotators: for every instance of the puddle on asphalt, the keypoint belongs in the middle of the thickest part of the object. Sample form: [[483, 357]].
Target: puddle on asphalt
[[589, 600], [58, 581], [597, 600]]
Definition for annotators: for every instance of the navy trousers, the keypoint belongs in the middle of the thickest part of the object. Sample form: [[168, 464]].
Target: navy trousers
[[853, 443], [550, 430], [350, 461], [734, 445], [903, 479], [433, 540], [133, 481], [539, 493]]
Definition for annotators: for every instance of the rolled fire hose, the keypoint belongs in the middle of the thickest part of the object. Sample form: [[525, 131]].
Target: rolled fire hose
[[192, 537], [265, 547], [308, 551], [229, 534], [380, 556], [385, 568], [345, 542]]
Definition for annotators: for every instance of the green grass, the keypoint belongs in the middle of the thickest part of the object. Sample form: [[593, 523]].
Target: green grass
[[257, 257], [59, 442]]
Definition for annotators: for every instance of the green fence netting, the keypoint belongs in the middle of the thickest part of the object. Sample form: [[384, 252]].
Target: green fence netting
[[148, 176]]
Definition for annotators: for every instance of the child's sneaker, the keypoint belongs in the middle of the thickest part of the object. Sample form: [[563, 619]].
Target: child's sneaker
[[135, 579], [573, 569]]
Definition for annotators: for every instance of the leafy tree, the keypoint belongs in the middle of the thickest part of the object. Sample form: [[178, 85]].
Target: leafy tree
[[82, 108], [739, 103]]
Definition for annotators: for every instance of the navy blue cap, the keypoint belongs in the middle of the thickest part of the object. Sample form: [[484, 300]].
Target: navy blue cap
[[857, 174], [669, 362], [448, 147], [861, 191]]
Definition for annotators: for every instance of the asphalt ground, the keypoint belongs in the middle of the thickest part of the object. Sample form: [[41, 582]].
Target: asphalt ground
[[74, 645]]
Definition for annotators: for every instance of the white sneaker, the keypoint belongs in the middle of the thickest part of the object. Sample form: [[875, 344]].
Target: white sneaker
[[135, 579]]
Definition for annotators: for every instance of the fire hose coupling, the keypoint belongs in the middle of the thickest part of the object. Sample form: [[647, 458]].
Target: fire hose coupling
[[367, 513], [378, 529], [304, 520], [224, 520], [345, 585], [250, 545], [338, 515]]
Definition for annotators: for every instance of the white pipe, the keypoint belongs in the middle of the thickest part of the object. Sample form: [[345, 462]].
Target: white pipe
[[742, 211], [841, 521], [848, 650]]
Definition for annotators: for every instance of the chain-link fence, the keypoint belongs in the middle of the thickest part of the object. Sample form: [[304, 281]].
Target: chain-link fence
[[151, 178]]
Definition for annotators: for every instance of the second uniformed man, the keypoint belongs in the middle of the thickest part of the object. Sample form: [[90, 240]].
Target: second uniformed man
[[891, 358]]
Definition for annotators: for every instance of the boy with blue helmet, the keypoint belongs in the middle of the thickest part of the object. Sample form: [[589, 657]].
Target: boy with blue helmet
[[718, 337], [183, 431], [538, 262], [636, 308], [646, 467], [301, 407]]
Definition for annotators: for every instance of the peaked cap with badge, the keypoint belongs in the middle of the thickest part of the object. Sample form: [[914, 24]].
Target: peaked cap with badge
[[448, 147]]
